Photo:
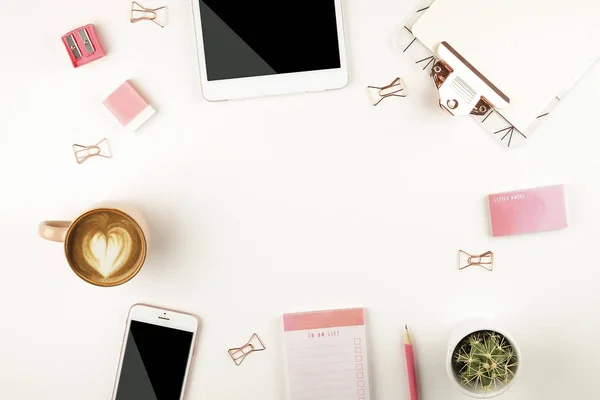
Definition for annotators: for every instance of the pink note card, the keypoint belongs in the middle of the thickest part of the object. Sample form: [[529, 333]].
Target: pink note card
[[528, 211], [326, 355]]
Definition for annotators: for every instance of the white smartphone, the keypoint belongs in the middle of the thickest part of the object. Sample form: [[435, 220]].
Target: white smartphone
[[156, 354]]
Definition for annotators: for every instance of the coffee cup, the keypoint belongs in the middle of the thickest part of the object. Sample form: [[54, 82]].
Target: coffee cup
[[105, 246]]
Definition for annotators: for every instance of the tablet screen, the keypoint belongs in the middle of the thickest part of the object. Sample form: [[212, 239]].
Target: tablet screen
[[245, 38]]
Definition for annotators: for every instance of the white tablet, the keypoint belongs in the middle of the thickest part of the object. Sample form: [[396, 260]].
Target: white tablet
[[268, 47]]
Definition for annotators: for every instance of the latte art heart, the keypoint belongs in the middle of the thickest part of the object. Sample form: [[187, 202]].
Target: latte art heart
[[108, 251]]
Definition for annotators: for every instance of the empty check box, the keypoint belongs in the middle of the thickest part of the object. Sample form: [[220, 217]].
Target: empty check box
[[359, 375], [361, 392], [358, 349], [357, 342], [359, 367], [358, 358]]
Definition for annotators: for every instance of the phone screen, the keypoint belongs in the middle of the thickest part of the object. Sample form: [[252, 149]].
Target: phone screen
[[154, 363]]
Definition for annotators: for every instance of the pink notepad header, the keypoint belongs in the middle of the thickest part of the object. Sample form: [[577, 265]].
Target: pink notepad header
[[323, 319], [528, 211]]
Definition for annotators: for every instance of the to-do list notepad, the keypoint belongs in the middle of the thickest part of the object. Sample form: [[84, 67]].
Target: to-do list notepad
[[326, 354]]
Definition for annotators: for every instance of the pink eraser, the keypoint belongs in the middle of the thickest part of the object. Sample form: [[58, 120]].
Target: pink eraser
[[528, 211], [128, 106]]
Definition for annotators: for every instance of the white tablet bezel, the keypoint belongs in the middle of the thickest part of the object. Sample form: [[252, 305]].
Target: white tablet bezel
[[268, 85]]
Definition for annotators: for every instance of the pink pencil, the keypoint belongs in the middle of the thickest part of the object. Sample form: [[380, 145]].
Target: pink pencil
[[410, 365]]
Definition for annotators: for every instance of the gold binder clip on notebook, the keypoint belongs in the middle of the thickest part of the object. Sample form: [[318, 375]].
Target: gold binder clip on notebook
[[463, 89], [100, 149], [238, 354], [377, 94], [485, 260], [141, 13]]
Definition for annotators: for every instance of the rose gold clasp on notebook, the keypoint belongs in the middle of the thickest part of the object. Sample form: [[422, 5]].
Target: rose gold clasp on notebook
[[485, 260], [141, 13], [440, 72], [463, 89], [238, 354]]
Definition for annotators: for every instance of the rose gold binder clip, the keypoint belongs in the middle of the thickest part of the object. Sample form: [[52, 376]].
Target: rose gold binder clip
[[377, 94], [100, 149], [141, 13], [485, 260], [238, 354], [463, 90]]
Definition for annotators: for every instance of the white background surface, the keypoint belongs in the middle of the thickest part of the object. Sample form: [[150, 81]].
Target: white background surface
[[282, 204]]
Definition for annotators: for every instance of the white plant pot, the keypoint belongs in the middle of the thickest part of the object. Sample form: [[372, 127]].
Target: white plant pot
[[463, 330]]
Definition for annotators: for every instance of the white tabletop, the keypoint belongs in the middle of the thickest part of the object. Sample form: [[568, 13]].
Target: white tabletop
[[264, 206]]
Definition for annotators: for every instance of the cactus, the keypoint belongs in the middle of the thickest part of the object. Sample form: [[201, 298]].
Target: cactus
[[485, 361]]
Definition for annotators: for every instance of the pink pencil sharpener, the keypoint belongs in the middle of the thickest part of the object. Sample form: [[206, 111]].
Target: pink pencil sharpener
[[83, 45]]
